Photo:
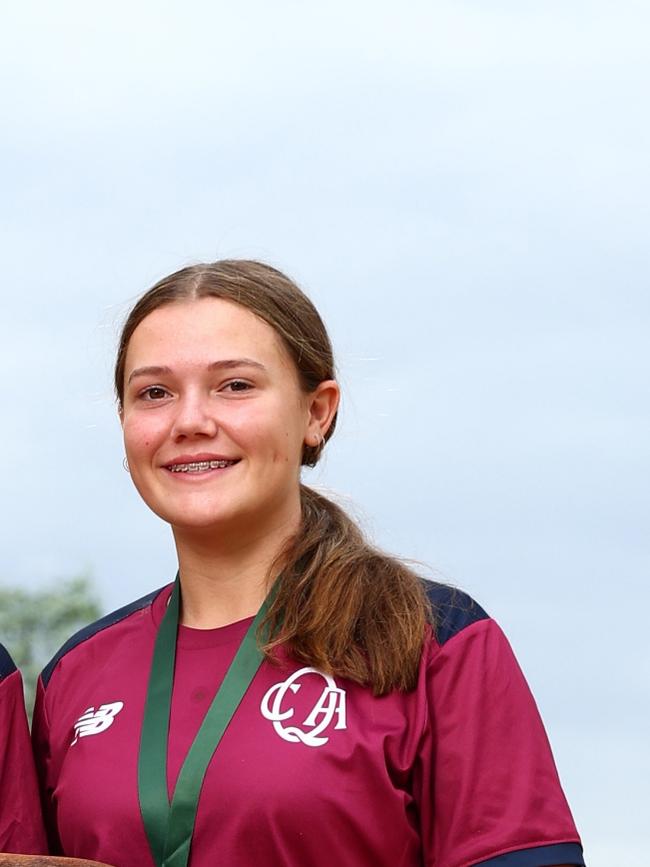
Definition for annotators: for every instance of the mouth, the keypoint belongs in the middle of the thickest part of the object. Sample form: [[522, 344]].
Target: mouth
[[196, 467]]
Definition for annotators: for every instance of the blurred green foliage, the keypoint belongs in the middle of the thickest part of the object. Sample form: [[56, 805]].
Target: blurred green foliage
[[35, 623]]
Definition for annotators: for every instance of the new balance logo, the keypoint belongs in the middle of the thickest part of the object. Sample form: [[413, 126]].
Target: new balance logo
[[93, 722]]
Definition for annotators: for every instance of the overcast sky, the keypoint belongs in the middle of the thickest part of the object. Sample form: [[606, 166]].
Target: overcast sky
[[464, 190]]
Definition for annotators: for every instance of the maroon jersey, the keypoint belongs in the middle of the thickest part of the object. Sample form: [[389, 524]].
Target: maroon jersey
[[21, 825], [313, 770]]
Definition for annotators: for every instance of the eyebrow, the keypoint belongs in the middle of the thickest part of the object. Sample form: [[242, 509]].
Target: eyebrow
[[225, 364]]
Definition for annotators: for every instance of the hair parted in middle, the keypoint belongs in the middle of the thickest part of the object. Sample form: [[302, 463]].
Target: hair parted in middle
[[341, 606], [266, 292]]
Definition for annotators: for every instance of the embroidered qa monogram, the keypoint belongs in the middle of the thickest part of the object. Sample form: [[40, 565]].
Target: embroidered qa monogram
[[330, 704], [93, 722]]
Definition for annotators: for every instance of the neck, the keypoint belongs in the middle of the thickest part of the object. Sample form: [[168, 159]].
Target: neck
[[225, 576]]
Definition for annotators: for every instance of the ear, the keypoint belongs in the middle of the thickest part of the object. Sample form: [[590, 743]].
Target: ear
[[120, 414], [322, 406]]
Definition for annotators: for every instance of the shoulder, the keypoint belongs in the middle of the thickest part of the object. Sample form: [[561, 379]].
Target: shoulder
[[464, 635], [7, 665], [453, 611], [484, 749], [467, 651], [89, 632]]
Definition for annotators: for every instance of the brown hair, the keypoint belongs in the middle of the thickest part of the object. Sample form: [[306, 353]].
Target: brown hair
[[341, 605]]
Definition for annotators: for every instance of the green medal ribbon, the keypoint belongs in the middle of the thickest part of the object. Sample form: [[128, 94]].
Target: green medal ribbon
[[170, 827]]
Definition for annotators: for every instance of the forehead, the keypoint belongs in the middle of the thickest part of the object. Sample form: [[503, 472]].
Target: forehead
[[203, 331]]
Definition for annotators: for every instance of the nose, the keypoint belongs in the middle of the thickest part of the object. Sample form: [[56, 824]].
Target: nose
[[195, 417]]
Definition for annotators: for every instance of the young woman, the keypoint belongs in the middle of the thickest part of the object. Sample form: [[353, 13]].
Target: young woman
[[295, 697], [21, 825]]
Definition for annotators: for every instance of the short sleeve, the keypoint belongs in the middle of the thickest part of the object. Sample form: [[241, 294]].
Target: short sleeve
[[486, 785], [46, 774], [21, 826]]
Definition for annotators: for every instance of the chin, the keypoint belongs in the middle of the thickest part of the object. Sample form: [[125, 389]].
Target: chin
[[193, 513], [189, 521], [216, 517]]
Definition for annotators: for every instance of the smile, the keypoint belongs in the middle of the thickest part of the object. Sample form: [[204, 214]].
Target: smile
[[199, 466]]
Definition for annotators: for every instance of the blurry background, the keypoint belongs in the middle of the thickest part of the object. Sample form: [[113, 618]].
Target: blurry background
[[463, 188]]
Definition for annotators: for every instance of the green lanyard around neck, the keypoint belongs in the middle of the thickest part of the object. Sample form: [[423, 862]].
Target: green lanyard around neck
[[170, 827]]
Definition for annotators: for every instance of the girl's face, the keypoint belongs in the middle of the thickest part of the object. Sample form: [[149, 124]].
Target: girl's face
[[214, 418]]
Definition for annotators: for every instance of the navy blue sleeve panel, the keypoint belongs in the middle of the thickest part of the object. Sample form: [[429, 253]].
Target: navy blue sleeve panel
[[88, 631], [7, 665], [452, 609], [540, 856]]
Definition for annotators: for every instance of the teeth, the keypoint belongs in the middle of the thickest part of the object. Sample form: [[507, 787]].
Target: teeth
[[199, 466]]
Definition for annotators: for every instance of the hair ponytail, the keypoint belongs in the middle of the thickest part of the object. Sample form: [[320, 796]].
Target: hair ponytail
[[344, 607]]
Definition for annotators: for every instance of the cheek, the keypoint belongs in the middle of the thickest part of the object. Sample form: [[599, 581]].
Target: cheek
[[288, 447], [140, 436], [283, 450], [272, 441]]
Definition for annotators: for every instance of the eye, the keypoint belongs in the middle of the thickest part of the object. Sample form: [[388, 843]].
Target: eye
[[237, 385], [154, 392]]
